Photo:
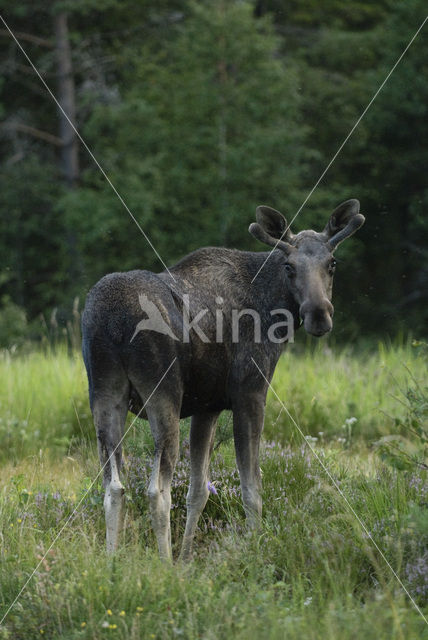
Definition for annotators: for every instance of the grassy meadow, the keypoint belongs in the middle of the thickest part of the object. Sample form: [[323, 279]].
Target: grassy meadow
[[312, 571]]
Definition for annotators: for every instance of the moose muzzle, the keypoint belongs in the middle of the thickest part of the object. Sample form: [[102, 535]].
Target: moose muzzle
[[317, 318]]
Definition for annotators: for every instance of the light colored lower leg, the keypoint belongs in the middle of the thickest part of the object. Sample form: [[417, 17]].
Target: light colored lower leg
[[160, 506], [196, 501], [165, 426], [113, 507], [252, 504], [201, 444], [248, 425]]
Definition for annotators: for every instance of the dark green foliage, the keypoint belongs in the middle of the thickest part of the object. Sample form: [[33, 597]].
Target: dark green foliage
[[13, 323], [33, 254], [203, 128], [200, 111]]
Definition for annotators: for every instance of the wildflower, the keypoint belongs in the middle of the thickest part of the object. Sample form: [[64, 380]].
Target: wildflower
[[417, 575], [112, 626], [211, 488], [140, 609], [122, 613], [109, 612], [19, 520], [83, 625], [307, 601]]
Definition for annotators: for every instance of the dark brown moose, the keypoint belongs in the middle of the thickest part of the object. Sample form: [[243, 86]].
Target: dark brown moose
[[193, 341]]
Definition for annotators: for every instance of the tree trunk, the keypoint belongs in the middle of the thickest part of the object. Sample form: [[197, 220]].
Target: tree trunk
[[66, 98], [69, 150]]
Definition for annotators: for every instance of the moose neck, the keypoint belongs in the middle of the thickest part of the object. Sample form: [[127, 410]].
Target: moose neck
[[243, 279]]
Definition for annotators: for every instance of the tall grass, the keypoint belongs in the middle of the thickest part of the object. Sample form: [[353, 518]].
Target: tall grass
[[44, 400], [341, 394], [311, 571]]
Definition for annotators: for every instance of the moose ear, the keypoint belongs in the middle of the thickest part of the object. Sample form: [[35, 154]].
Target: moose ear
[[270, 227], [273, 222], [344, 221]]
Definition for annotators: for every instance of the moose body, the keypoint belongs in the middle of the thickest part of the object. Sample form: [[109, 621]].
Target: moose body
[[152, 367]]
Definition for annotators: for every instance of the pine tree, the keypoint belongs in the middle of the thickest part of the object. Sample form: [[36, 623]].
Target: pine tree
[[208, 130]]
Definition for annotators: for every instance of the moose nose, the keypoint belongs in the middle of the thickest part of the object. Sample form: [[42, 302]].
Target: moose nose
[[317, 318]]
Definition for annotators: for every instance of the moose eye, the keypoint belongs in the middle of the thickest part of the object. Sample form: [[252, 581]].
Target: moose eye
[[332, 266], [289, 269]]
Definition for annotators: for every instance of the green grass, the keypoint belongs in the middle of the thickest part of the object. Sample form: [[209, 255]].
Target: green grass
[[44, 403], [325, 388], [311, 571]]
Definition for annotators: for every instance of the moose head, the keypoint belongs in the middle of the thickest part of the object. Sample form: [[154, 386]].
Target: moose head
[[309, 264]]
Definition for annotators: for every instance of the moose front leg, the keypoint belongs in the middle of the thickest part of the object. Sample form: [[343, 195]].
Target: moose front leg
[[248, 418], [202, 433]]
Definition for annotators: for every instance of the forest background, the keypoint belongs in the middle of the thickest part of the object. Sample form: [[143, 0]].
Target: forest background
[[198, 112]]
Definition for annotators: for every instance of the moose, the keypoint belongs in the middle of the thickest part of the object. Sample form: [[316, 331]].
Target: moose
[[148, 366]]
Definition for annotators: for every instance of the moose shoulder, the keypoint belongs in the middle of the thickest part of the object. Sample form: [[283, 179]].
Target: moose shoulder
[[184, 342]]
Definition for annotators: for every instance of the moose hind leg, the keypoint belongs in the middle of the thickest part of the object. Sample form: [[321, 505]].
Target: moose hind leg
[[202, 433], [109, 422], [165, 426]]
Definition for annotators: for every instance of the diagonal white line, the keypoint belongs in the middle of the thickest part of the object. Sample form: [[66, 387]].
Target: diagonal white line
[[121, 200], [70, 517], [350, 507], [343, 144]]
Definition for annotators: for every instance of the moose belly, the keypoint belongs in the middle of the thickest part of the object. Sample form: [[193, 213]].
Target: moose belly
[[206, 384], [203, 399], [205, 391]]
